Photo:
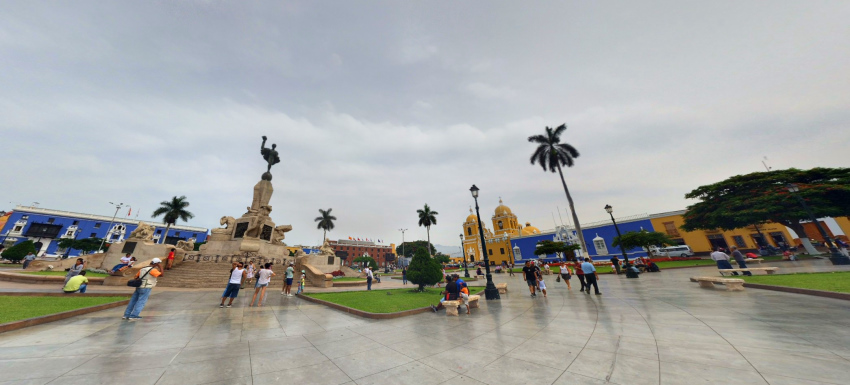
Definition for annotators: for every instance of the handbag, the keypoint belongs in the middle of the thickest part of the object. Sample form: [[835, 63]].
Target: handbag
[[257, 275], [558, 278], [137, 282]]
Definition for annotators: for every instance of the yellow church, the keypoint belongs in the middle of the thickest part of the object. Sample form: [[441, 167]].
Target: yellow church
[[499, 243]]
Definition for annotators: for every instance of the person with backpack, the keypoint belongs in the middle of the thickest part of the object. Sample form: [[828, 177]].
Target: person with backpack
[[146, 279]]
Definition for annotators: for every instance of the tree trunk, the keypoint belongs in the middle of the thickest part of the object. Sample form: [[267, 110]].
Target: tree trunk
[[573, 210], [428, 230], [165, 235], [804, 239], [324, 236]]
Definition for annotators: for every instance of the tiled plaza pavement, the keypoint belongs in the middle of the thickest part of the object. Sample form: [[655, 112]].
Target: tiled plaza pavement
[[659, 329]]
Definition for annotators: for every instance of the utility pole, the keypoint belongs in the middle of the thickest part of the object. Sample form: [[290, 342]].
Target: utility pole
[[402, 245]]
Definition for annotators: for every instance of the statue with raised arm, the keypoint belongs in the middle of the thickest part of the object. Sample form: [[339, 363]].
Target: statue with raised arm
[[271, 157]]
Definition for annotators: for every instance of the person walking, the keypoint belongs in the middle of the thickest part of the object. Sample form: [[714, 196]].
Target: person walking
[[369, 277], [615, 262], [249, 270], [580, 275], [739, 258], [28, 259], [170, 259], [566, 274], [237, 275], [265, 276], [75, 270], [722, 260], [529, 273], [511, 269], [148, 276], [590, 276], [404, 275], [287, 283], [540, 284], [78, 283]]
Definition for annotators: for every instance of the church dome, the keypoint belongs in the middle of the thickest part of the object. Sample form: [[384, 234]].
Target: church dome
[[502, 209], [529, 229], [471, 217]]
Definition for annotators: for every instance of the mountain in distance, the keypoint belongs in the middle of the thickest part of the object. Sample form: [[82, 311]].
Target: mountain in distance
[[448, 250]]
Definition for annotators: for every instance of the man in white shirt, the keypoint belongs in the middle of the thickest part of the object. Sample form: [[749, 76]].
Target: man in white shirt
[[232, 290], [369, 277], [722, 260]]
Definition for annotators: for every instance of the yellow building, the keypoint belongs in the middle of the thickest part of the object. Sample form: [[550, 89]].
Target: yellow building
[[499, 243], [703, 241]]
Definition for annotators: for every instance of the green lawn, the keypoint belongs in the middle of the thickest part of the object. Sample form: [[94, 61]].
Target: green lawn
[[347, 279], [63, 273], [377, 301], [18, 308], [835, 281], [18, 265]]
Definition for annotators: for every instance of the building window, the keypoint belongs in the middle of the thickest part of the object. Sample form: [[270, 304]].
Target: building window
[[671, 229], [177, 234], [97, 225], [159, 231], [502, 250], [469, 231], [76, 223], [92, 235], [18, 229], [501, 226], [599, 244], [739, 241], [195, 235], [679, 241], [490, 251], [51, 220]]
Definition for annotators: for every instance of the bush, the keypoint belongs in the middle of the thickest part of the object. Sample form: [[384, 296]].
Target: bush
[[338, 273], [19, 251], [424, 270]]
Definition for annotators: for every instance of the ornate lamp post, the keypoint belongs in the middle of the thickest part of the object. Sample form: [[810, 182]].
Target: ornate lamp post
[[465, 269], [490, 291], [402, 245], [109, 228], [629, 272], [836, 257]]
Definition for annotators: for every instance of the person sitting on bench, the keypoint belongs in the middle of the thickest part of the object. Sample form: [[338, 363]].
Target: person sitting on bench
[[451, 293], [126, 262]]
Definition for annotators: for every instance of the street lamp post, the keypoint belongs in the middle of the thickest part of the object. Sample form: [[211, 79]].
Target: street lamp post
[[836, 257], [629, 272], [490, 291], [109, 228], [465, 269], [402, 246]]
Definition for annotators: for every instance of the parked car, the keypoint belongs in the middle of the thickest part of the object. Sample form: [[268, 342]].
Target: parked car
[[683, 251]]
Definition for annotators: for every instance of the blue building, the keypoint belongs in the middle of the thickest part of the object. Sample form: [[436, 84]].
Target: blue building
[[47, 227], [597, 235]]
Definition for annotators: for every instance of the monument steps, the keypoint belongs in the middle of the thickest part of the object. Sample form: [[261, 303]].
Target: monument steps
[[192, 274]]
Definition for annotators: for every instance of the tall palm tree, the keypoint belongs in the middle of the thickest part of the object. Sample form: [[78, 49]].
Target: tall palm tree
[[427, 218], [172, 210], [326, 222], [553, 154]]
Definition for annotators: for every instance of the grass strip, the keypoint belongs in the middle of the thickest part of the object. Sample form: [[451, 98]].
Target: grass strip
[[386, 301], [16, 308], [349, 279], [838, 281]]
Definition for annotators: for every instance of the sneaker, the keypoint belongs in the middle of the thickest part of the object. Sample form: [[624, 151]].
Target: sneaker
[[290, 295], [433, 308], [228, 306], [125, 317], [134, 318], [221, 306]]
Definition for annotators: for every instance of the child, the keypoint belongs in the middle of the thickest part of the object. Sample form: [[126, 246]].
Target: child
[[540, 283], [301, 283], [250, 274]]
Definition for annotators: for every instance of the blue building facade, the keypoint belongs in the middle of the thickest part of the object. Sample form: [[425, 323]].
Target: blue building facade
[[47, 227], [598, 237]]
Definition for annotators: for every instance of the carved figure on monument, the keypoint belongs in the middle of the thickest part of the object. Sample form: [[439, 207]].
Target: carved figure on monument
[[186, 245], [326, 248], [228, 223], [256, 224], [271, 157], [143, 232], [279, 233], [251, 212]]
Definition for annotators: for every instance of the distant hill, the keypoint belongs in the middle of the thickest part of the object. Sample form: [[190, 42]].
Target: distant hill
[[448, 250]]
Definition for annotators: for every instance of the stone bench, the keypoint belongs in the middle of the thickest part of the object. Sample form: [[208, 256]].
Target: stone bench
[[732, 284], [452, 306], [768, 270], [756, 260], [503, 288]]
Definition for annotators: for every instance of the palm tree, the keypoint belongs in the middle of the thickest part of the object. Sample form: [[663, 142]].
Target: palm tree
[[427, 218], [326, 222], [552, 154], [173, 210]]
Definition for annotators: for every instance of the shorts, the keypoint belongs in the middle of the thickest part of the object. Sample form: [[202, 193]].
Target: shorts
[[289, 282], [465, 298], [566, 276], [541, 285], [259, 285], [231, 291]]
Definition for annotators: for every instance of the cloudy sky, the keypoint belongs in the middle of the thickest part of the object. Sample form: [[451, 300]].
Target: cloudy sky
[[381, 107]]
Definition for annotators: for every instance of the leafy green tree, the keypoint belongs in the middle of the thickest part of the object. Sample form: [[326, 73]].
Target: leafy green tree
[[326, 222], [759, 197], [643, 238], [408, 249], [562, 249], [424, 270], [427, 218], [86, 245], [17, 252], [553, 154], [172, 211], [366, 260], [442, 258]]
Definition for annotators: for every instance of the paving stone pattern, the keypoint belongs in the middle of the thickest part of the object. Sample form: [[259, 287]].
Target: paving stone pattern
[[659, 329]]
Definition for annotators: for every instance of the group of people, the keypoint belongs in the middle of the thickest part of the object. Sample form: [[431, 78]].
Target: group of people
[[455, 289], [723, 260], [240, 275], [585, 271]]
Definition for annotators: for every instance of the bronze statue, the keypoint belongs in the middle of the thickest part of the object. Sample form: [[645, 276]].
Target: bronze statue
[[271, 157]]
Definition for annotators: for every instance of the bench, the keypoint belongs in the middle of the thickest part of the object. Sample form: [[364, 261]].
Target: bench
[[732, 284], [452, 306], [768, 270], [503, 288], [756, 260]]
